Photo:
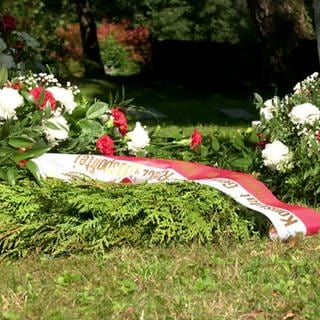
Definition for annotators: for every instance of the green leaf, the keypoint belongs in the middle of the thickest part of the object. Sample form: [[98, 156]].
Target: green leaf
[[56, 126], [41, 97], [3, 76], [5, 151], [90, 127], [21, 142], [238, 142], [3, 175], [29, 97], [258, 100], [241, 163], [97, 110], [215, 144], [31, 153], [253, 138], [34, 170], [5, 130], [11, 176], [176, 135], [47, 111]]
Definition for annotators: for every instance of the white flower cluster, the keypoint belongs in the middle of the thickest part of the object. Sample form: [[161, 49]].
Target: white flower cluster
[[270, 108], [277, 156], [56, 128], [301, 86], [304, 114], [10, 100], [65, 97], [138, 139]]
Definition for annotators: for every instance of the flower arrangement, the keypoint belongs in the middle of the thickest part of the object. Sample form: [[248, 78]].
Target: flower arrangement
[[289, 129], [38, 114]]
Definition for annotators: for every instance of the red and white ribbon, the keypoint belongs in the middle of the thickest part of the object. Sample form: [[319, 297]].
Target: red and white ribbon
[[287, 219]]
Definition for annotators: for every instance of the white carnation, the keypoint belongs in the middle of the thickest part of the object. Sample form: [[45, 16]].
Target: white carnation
[[10, 99], [276, 156], [139, 138], [305, 113], [56, 128], [65, 97]]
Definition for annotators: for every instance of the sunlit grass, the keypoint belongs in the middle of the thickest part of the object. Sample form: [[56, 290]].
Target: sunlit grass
[[259, 279]]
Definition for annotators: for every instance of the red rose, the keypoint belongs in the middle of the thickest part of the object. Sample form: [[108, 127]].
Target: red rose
[[8, 23], [195, 140], [47, 97], [105, 145], [119, 120]]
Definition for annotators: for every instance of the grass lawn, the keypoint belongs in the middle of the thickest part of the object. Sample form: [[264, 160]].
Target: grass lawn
[[257, 279]]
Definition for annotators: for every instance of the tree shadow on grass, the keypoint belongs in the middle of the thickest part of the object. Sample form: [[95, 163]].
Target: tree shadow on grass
[[180, 104]]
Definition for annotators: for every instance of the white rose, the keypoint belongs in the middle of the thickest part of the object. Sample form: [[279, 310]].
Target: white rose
[[305, 113], [270, 106], [65, 97], [139, 138], [56, 128], [276, 156], [10, 99]]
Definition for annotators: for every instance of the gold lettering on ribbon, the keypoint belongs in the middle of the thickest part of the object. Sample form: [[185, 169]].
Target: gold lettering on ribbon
[[281, 212], [91, 164]]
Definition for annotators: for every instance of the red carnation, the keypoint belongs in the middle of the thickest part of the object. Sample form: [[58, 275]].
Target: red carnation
[[105, 145], [119, 120], [22, 163], [47, 97], [8, 23], [195, 140], [262, 142]]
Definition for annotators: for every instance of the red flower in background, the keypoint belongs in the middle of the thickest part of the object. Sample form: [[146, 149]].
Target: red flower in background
[[195, 140], [105, 145], [318, 135], [7, 23], [47, 97], [119, 120]]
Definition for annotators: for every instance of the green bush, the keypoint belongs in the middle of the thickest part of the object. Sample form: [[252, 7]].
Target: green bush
[[59, 217], [116, 58]]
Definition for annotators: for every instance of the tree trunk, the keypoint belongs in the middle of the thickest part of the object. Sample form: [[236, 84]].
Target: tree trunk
[[92, 59], [316, 6], [282, 26]]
